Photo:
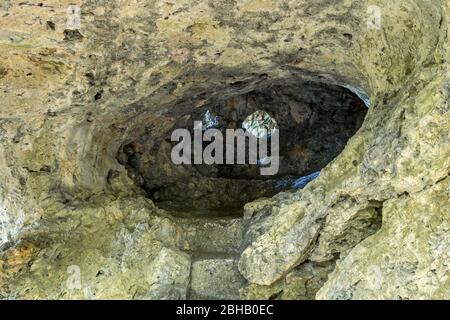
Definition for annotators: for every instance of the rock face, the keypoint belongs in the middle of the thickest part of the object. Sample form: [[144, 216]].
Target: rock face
[[74, 223], [216, 279]]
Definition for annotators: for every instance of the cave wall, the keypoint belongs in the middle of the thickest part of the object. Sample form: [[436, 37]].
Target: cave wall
[[314, 120], [71, 98]]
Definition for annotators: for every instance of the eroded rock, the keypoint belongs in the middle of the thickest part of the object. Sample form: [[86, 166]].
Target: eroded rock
[[216, 279], [73, 225]]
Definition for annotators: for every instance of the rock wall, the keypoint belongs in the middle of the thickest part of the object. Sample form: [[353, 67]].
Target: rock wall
[[71, 95]]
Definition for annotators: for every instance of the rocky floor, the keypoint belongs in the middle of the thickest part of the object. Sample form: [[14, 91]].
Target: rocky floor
[[199, 253]]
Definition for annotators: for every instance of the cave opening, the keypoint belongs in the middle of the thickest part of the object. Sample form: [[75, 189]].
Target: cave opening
[[314, 121]]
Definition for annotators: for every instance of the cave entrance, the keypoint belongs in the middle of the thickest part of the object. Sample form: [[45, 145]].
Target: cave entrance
[[314, 121]]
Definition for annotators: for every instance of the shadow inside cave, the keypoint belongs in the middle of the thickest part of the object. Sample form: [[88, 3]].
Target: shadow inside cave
[[314, 121]]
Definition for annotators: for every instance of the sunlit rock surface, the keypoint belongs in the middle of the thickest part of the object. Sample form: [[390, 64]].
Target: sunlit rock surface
[[73, 225]]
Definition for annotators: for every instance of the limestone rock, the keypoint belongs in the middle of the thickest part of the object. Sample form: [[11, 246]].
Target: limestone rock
[[76, 223], [216, 279], [168, 275], [213, 235], [401, 261], [302, 283]]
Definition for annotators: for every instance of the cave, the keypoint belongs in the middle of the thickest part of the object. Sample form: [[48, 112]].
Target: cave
[[314, 120], [349, 97]]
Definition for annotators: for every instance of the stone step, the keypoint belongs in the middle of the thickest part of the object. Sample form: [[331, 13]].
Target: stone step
[[216, 236], [215, 279]]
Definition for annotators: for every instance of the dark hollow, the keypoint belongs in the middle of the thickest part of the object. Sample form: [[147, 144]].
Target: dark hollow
[[315, 121]]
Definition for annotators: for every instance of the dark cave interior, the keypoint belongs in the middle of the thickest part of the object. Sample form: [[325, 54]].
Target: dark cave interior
[[315, 121]]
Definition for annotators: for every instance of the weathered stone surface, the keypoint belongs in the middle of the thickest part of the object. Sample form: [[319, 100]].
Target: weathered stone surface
[[168, 275], [91, 254], [302, 283], [70, 98], [213, 235], [401, 261], [216, 279]]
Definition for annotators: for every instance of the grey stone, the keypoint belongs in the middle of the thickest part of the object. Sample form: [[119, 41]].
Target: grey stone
[[216, 279], [168, 275]]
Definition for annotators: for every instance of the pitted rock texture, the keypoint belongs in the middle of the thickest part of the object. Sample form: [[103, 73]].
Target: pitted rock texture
[[71, 98], [315, 122], [216, 279]]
